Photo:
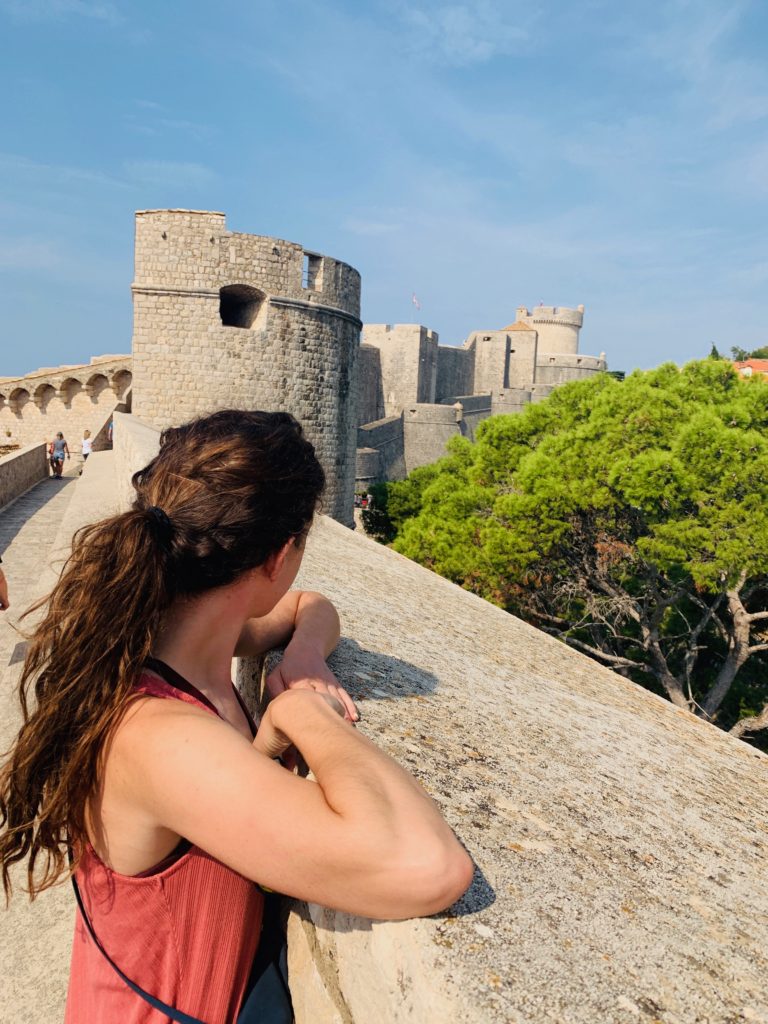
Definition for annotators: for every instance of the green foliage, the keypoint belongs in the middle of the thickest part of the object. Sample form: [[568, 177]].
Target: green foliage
[[616, 514], [741, 354]]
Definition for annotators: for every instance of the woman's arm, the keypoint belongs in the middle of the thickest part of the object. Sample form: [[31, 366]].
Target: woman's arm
[[301, 612], [310, 624], [363, 838]]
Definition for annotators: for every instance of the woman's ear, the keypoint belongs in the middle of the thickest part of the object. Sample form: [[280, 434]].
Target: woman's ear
[[274, 564]]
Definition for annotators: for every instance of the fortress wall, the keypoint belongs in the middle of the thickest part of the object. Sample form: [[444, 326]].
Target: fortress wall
[[408, 355], [369, 382], [492, 359], [367, 468], [386, 436], [282, 335], [559, 368], [21, 470], [475, 409], [455, 371], [521, 364], [426, 431], [541, 391], [72, 399], [510, 400]]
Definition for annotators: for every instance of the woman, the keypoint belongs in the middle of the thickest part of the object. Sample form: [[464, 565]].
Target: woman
[[86, 448], [140, 755], [58, 449]]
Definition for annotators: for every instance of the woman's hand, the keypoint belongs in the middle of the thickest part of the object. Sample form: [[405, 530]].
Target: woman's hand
[[304, 668], [272, 741]]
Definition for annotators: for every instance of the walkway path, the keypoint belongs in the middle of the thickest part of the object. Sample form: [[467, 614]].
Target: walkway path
[[35, 533]]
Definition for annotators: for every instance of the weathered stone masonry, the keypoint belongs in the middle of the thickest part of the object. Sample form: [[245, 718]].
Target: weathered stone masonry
[[226, 319]]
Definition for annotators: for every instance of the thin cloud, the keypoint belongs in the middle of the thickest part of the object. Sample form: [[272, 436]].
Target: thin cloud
[[58, 10], [169, 172], [370, 228], [30, 254], [15, 164], [461, 34]]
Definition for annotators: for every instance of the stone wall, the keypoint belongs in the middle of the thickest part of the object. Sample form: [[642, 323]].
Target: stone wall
[[408, 354], [492, 355], [455, 371], [474, 409], [619, 842], [511, 400], [368, 468], [135, 444], [426, 431], [387, 437], [370, 387], [21, 470], [556, 368], [247, 321], [69, 399]]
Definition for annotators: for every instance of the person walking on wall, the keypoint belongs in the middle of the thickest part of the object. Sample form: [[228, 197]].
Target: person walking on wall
[[59, 448], [141, 756], [86, 447], [4, 602]]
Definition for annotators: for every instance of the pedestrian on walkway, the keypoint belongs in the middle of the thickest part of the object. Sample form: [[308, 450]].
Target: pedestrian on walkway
[[141, 754], [86, 446], [59, 448], [4, 603]]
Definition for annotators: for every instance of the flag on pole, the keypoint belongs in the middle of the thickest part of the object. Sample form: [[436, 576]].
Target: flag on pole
[[415, 301]]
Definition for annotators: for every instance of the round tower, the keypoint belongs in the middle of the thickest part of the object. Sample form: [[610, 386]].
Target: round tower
[[557, 327], [223, 319]]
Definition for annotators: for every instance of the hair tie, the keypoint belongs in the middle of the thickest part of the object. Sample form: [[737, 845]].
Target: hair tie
[[163, 522]]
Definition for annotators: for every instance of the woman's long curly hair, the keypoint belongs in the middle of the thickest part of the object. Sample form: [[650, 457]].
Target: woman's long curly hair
[[224, 493]]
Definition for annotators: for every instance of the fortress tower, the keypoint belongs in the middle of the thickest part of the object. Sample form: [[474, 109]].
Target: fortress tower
[[557, 327], [226, 319]]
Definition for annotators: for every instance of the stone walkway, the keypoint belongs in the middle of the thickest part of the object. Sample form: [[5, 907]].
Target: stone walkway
[[35, 938], [28, 529]]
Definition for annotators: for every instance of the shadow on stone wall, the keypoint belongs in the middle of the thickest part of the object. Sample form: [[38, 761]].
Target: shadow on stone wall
[[368, 675]]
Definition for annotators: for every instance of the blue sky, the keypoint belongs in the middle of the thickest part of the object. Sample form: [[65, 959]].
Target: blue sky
[[482, 154]]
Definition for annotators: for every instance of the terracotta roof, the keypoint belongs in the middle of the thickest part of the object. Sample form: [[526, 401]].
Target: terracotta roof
[[756, 365], [518, 325]]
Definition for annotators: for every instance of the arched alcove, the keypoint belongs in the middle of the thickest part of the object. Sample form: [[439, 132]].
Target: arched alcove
[[69, 388], [18, 399], [43, 395], [95, 385], [121, 381], [240, 305]]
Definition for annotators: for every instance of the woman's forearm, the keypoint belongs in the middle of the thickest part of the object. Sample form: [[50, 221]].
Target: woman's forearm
[[393, 817], [316, 626]]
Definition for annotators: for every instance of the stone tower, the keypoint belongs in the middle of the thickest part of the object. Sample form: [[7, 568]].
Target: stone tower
[[223, 319], [557, 327]]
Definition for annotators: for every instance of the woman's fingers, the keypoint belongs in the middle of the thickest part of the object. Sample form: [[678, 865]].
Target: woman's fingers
[[341, 695]]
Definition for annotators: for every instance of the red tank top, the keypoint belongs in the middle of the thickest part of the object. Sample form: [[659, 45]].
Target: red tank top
[[186, 931]]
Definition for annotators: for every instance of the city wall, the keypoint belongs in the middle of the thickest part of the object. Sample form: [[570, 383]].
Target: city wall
[[408, 355], [386, 437], [69, 399], [474, 409], [369, 383], [455, 371], [426, 431], [21, 470]]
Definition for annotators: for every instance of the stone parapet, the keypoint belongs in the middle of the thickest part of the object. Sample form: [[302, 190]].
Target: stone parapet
[[386, 436], [21, 470]]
